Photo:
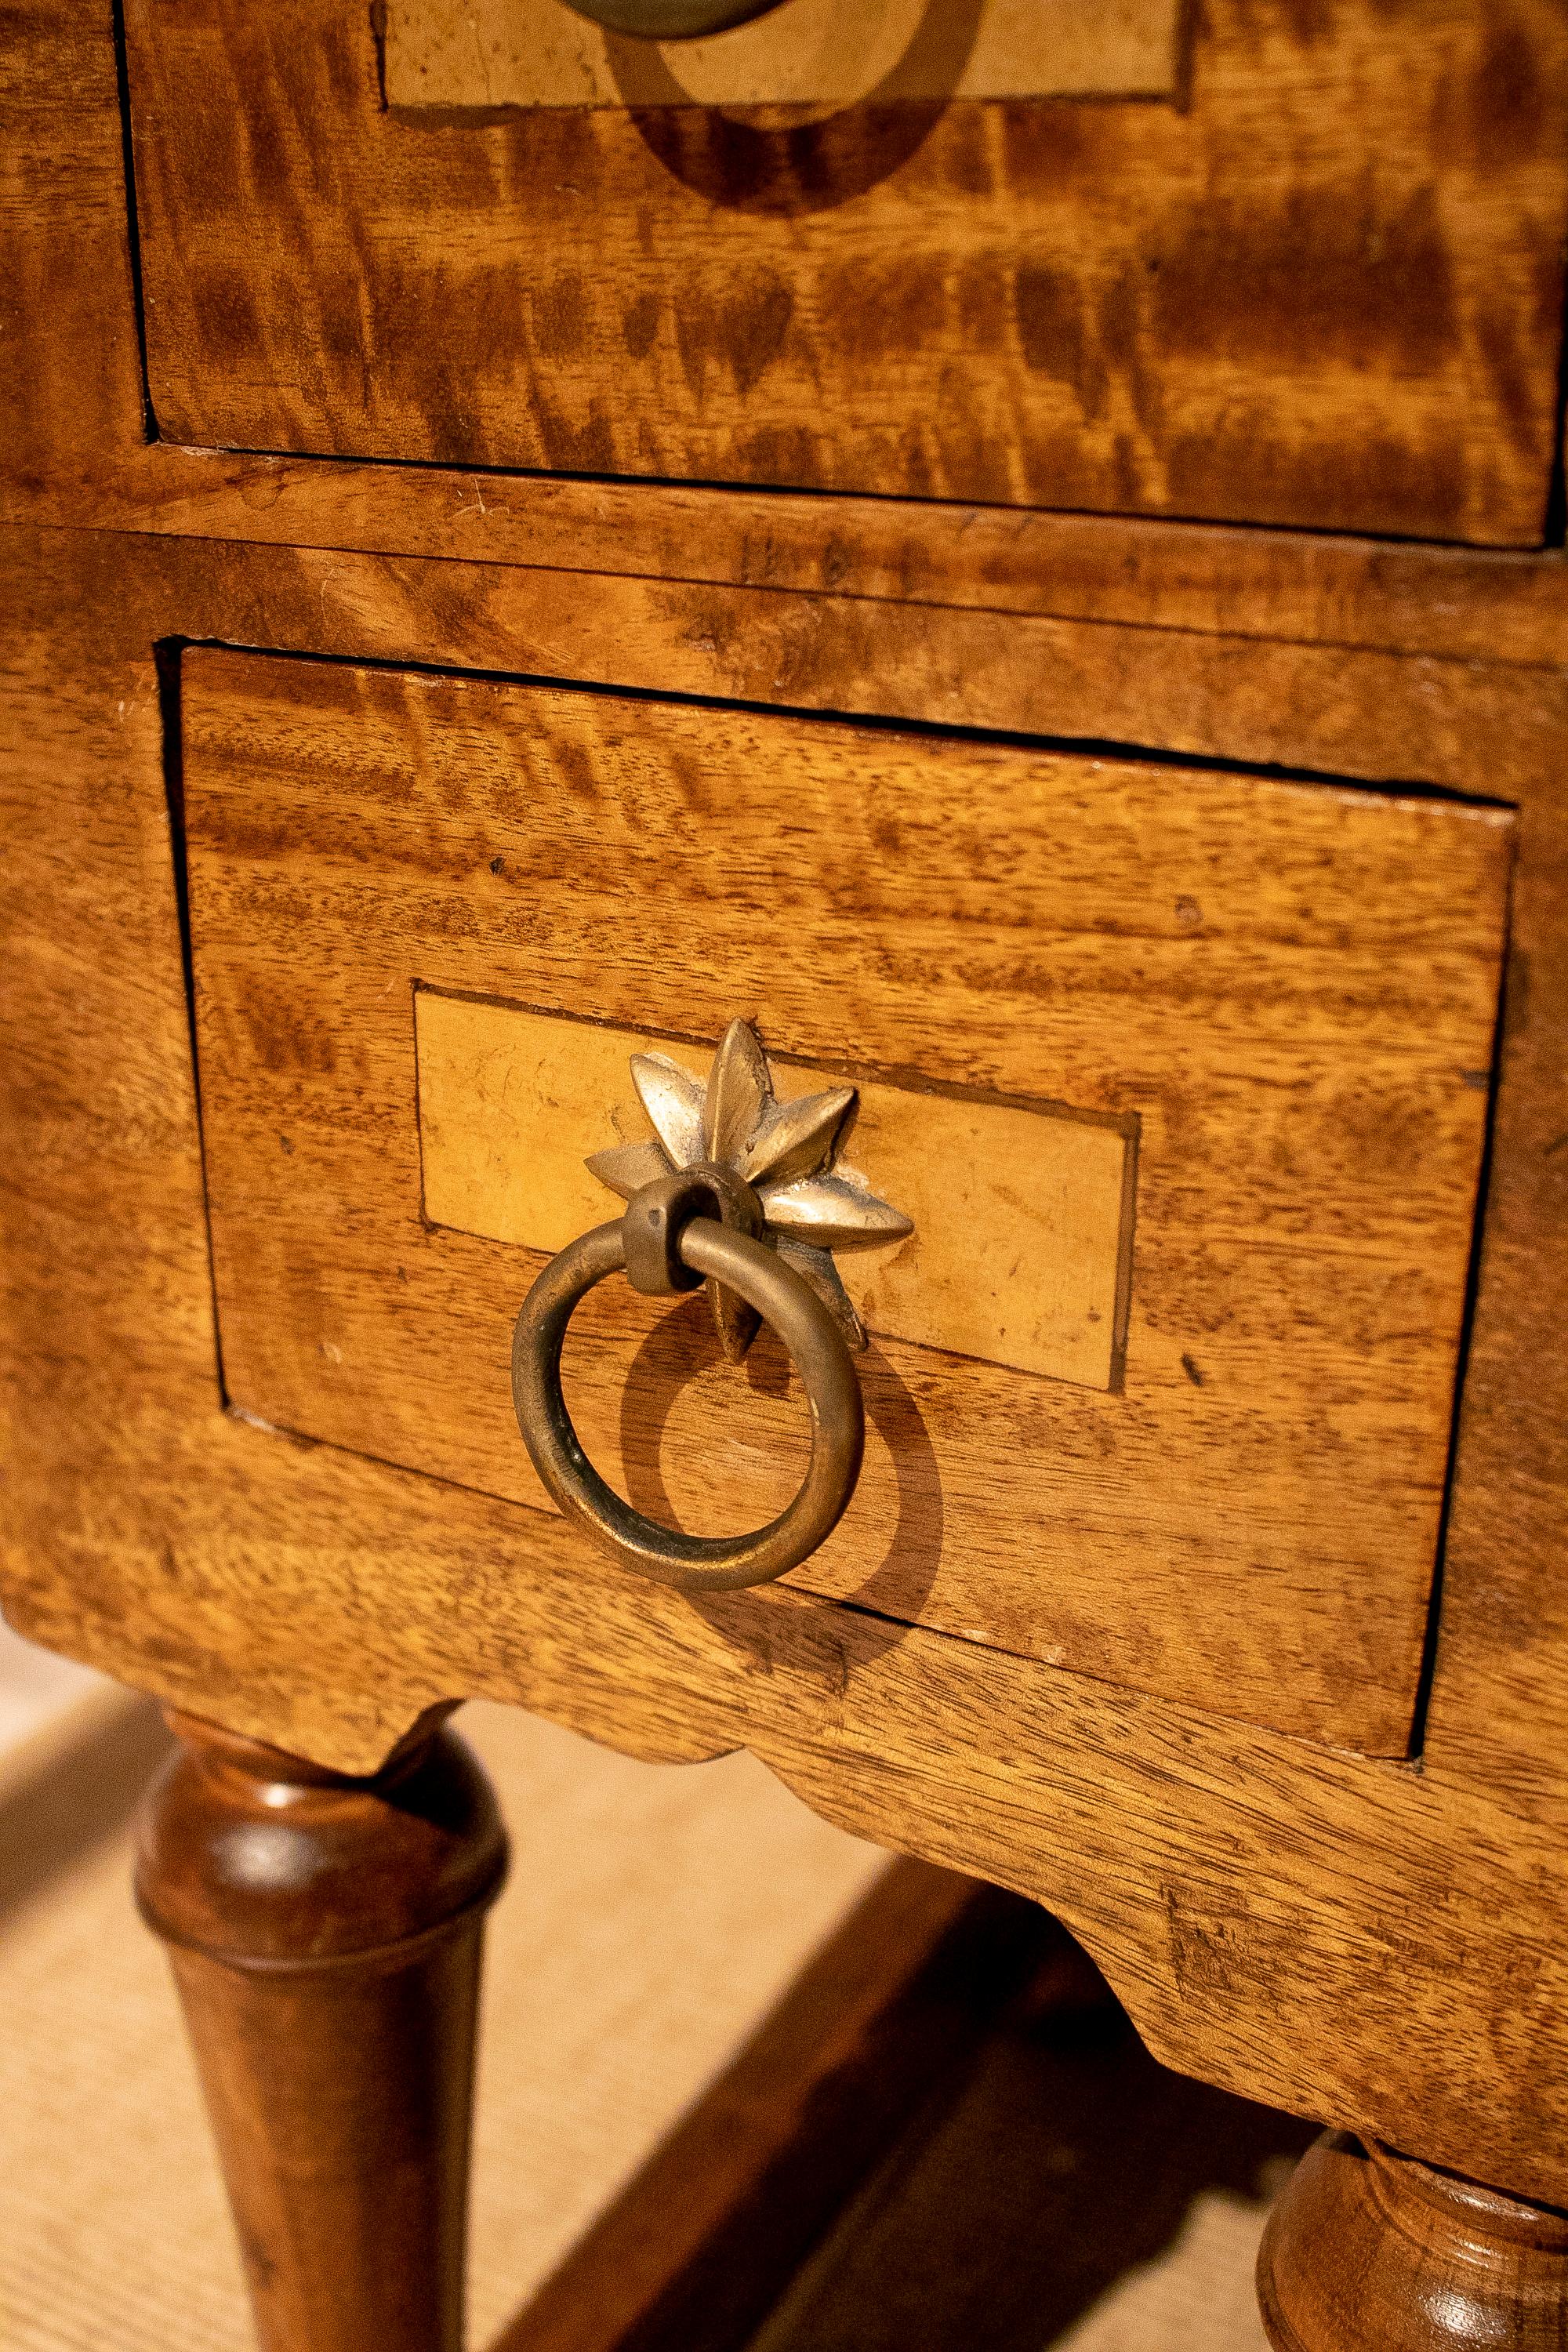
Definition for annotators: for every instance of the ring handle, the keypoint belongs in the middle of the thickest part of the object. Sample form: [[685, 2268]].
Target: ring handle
[[722, 1254], [670, 20]]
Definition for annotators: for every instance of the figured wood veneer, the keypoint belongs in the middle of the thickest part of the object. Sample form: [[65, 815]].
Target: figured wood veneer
[[1326, 291], [1404, 1919], [1206, 599]]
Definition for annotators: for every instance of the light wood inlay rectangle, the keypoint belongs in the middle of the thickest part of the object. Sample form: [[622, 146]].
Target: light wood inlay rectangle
[[1019, 1209], [487, 53]]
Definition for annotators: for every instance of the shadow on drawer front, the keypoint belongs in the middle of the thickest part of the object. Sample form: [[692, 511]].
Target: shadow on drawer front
[[1308, 272], [1184, 1075]]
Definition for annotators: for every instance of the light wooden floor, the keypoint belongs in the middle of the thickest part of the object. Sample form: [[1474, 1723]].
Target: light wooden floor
[[654, 1914]]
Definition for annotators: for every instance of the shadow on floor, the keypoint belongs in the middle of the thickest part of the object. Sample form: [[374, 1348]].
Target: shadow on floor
[[1068, 2159], [83, 1791], [947, 2138]]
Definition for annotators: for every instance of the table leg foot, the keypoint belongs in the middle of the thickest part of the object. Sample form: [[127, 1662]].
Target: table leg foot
[[1368, 2251], [325, 1937]]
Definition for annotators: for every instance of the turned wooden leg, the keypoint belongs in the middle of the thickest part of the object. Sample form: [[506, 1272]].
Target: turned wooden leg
[[325, 1938], [1370, 2252]]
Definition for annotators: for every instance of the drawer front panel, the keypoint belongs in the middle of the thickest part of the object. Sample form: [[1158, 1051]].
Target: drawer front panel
[[1283, 995], [1318, 282]]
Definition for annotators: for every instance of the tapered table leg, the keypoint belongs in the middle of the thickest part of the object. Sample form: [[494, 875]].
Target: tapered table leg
[[1370, 2252], [325, 1936]]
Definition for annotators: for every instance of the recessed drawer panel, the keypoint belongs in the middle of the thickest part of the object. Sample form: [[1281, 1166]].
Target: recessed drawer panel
[[1207, 1052], [1254, 261]]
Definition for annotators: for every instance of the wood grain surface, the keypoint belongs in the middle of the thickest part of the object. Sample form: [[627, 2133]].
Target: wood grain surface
[[1403, 1924], [1240, 644], [1326, 292], [1495, 1719], [1291, 989], [73, 451], [1378, 1944]]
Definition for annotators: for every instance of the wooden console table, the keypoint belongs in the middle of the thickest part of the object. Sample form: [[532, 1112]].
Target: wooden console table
[[1051, 607]]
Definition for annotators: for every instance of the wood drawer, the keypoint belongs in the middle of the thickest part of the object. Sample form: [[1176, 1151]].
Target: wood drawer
[[1319, 282], [1279, 996]]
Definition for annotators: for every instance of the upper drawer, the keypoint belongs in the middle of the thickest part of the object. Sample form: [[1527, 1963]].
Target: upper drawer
[[1320, 285], [1182, 1076]]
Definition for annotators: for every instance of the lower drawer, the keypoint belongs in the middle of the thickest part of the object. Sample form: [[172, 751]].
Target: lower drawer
[[1180, 1074]]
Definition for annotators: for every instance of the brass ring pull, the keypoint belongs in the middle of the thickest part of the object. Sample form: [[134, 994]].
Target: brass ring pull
[[670, 20], [664, 1245]]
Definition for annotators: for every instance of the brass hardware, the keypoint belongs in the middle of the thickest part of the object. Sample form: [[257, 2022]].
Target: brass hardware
[[665, 1246], [813, 1204], [670, 20], [654, 1263], [748, 1194]]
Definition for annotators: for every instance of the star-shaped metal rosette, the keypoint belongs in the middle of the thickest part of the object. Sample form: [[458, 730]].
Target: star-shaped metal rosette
[[812, 1202]]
